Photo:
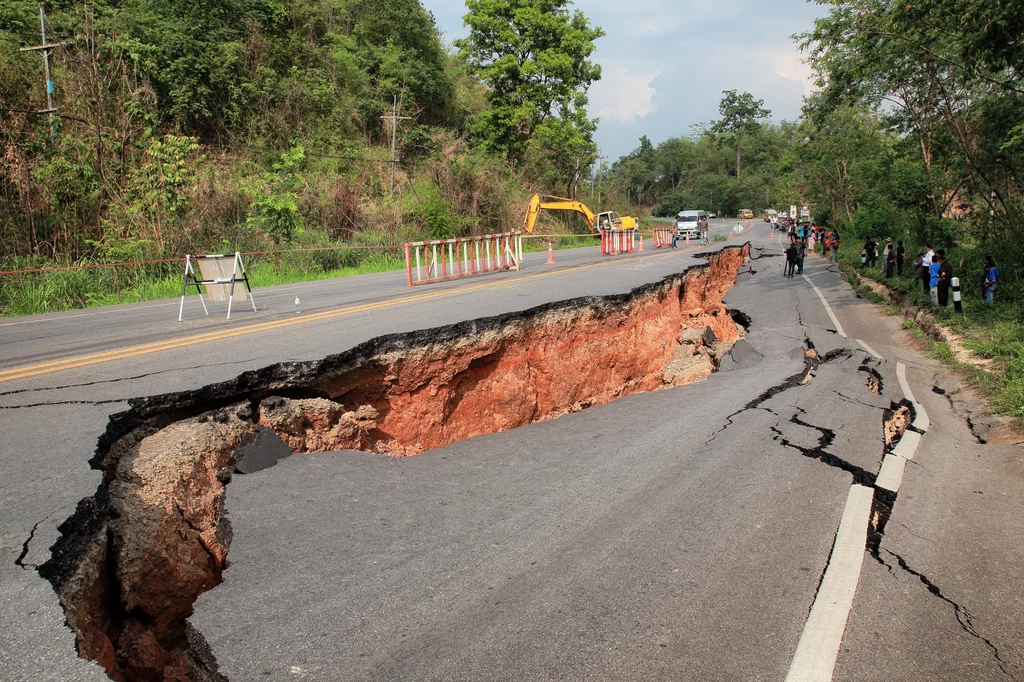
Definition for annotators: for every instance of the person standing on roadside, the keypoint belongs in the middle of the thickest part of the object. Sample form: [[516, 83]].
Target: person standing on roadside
[[989, 280], [885, 254], [801, 253], [933, 280], [703, 227], [890, 261], [791, 258], [945, 278], [675, 231], [872, 249], [901, 257], [926, 264], [834, 250]]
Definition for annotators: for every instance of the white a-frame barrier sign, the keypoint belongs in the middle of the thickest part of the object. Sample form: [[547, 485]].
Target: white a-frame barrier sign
[[217, 274]]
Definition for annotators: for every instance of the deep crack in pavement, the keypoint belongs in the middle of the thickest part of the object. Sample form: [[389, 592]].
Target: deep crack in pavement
[[963, 616], [132, 560]]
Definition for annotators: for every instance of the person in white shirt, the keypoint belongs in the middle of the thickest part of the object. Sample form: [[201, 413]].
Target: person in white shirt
[[926, 263]]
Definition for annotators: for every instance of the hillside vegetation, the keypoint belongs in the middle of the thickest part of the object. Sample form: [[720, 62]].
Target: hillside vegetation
[[191, 127]]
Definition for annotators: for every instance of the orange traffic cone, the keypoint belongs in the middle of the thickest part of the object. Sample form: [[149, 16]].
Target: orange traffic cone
[[551, 254], [641, 242], [772, 236], [687, 238]]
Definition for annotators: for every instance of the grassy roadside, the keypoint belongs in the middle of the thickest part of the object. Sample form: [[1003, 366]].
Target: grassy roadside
[[994, 333], [91, 288]]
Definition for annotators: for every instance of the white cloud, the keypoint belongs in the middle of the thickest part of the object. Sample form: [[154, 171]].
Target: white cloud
[[638, 21], [623, 93], [791, 65]]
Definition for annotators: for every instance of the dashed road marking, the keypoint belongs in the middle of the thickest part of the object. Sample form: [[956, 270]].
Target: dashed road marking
[[828, 308], [869, 349], [921, 421], [818, 649]]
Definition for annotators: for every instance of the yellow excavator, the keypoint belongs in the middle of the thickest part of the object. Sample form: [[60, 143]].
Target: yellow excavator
[[596, 223]]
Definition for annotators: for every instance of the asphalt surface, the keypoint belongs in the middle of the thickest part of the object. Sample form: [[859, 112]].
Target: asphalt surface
[[679, 534]]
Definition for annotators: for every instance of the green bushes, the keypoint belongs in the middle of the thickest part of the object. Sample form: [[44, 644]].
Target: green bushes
[[435, 216], [993, 332]]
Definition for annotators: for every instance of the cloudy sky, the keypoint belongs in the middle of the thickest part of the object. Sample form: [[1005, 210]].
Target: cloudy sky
[[665, 63]]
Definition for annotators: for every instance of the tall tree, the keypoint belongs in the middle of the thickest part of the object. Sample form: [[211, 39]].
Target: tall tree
[[533, 55], [740, 114]]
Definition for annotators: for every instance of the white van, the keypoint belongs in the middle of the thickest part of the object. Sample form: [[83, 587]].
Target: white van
[[687, 221]]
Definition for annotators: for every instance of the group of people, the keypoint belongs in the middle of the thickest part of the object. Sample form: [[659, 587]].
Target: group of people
[[934, 271], [893, 258], [802, 238], [936, 275]]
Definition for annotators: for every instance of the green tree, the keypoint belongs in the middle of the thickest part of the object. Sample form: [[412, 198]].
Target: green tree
[[275, 199], [533, 56], [740, 114]]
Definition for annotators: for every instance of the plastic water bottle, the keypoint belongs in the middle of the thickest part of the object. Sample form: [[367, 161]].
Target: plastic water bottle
[[297, 309]]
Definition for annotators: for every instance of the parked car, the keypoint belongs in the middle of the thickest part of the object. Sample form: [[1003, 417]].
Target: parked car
[[687, 222]]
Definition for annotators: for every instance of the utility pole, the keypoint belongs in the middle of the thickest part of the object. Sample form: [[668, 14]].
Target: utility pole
[[394, 118], [51, 107], [597, 175]]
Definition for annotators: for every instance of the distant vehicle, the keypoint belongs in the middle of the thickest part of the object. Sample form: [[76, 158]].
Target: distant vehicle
[[769, 214], [687, 222], [712, 214], [746, 213]]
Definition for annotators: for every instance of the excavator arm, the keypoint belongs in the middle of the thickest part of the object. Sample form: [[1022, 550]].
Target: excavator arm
[[551, 203]]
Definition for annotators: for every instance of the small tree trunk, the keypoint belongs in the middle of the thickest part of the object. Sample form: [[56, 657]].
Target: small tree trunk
[[739, 149]]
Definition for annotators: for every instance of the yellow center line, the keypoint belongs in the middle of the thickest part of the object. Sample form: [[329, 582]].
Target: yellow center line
[[160, 346]]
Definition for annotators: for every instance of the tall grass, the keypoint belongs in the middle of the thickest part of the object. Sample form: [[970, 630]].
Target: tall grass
[[37, 293], [993, 332]]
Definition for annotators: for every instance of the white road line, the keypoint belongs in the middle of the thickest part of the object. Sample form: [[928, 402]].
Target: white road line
[[921, 421], [907, 445], [818, 649], [828, 308], [890, 477], [869, 349]]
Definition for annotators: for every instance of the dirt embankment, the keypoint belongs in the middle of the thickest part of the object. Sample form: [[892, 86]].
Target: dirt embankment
[[134, 558]]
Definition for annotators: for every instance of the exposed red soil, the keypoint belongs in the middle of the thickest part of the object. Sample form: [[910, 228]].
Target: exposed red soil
[[160, 538], [540, 368]]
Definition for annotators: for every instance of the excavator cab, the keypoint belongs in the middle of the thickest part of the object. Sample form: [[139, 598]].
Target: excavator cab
[[610, 220]]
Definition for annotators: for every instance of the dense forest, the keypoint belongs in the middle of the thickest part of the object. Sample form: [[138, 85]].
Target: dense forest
[[185, 126]]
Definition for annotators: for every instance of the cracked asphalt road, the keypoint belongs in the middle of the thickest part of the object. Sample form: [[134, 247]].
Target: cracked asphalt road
[[679, 534]]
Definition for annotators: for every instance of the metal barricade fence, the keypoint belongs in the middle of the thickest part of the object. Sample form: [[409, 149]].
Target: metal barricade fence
[[614, 242], [661, 238], [444, 259]]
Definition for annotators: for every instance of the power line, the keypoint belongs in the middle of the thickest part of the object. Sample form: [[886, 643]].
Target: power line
[[395, 118], [51, 106]]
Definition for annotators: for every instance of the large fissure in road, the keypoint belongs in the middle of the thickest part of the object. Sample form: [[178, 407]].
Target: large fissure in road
[[134, 557]]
